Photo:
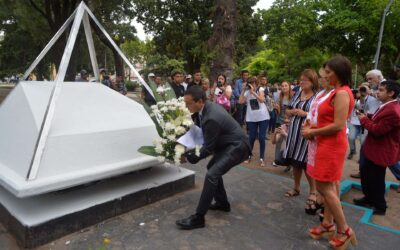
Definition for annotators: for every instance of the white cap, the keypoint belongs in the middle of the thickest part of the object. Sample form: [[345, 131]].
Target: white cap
[[151, 75], [188, 76]]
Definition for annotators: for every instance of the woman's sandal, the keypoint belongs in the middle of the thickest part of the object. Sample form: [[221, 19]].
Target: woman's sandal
[[322, 231], [338, 244], [262, 164], [292, 193], [311, 205], [247, 161], [321, 213]]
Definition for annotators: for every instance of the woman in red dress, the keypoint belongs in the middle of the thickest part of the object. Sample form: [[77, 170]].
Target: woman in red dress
[[331, 138]]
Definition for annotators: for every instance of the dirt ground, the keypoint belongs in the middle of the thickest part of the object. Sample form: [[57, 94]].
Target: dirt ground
[[390, 220]]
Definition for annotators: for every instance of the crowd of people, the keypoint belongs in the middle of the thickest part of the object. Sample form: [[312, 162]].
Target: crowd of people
[[116, 83], [311, 123]]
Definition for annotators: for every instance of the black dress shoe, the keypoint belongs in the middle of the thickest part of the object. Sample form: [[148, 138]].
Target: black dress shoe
[[379, 211], [350, 156], [191, 222], [217, 206], [361, 202]]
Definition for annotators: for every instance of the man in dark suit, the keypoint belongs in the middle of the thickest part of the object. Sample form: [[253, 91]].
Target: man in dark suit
[[381, 147], [226, 141]]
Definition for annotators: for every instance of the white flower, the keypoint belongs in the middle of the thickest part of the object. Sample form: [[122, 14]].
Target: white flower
[[164, 109], [177, 161], [169, 126], [161, 158], [159, 148], [187, 122], [154, 107], [180, 130], [179, 149], [160, 90], [197, 150], [171, 137]]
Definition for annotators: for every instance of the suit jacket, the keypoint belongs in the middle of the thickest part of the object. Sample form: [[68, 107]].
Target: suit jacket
[[220, 130], [382, 145]]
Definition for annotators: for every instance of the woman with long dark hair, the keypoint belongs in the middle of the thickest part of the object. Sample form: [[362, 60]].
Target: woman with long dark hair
[[222, 92], [285, 96], [330, 135]]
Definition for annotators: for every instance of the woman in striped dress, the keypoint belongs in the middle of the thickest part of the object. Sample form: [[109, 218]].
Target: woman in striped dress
[[296, 146]]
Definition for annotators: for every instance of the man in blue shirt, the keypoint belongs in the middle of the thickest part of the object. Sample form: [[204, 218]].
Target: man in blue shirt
[[240, 108]]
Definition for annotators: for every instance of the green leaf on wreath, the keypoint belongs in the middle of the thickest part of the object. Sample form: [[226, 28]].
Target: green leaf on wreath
[[148, 150]]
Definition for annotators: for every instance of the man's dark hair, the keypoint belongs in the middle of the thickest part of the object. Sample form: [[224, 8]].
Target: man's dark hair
[[175, 72], [363, 89], [196, 71], [342, 68], [390, 86], [197, 93], [244, 71]]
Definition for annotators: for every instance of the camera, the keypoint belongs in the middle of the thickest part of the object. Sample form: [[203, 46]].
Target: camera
[[360, 111], [363, 89], [219, 84]]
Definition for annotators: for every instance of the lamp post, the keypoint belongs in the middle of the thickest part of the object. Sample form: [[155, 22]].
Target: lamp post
[[378, 49]]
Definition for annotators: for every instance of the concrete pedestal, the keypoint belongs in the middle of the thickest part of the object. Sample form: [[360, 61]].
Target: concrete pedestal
[[40, 219]]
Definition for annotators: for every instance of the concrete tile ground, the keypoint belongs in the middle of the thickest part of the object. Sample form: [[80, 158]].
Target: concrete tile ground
[[261, 218]]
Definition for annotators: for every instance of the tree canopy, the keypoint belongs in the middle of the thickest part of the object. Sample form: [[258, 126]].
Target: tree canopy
[[283, 40]]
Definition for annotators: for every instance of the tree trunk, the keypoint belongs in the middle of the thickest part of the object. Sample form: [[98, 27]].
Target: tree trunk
[[119, 64], [222, 42]]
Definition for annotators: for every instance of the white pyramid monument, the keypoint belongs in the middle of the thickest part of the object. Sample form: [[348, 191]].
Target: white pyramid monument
[[56, 135]]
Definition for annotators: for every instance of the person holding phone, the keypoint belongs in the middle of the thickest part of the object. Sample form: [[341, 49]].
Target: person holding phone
[[222, 92], [257, 115]]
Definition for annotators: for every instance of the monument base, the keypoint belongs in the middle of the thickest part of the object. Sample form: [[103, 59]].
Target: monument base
[[34, 221]]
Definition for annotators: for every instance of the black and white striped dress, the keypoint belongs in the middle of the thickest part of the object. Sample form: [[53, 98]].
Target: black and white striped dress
[[296, 145]]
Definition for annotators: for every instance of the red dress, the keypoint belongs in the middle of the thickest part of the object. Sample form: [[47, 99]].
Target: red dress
[[331, 149]]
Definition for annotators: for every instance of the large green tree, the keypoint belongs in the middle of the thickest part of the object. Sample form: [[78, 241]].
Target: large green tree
[[181, 29], [39, 20]]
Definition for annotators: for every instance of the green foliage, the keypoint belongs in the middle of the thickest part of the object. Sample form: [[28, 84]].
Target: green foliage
[[131, 85], [290, 36], [181, 29], [148, 150]]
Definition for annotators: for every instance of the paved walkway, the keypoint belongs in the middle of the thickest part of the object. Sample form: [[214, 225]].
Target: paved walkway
[[260, 219]]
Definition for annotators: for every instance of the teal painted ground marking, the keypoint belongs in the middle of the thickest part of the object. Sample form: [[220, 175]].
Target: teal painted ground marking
[[345, 187]]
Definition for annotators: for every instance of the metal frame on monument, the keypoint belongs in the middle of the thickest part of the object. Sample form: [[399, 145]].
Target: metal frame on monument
[[81, 14]]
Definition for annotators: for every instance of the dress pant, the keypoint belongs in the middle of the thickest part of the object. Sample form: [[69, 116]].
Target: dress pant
[[373, 183], [219, 165], [239, 114], [396, 170]]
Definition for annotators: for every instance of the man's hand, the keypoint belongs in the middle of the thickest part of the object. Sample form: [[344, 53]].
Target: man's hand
[[192, 158], [360, 115]]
